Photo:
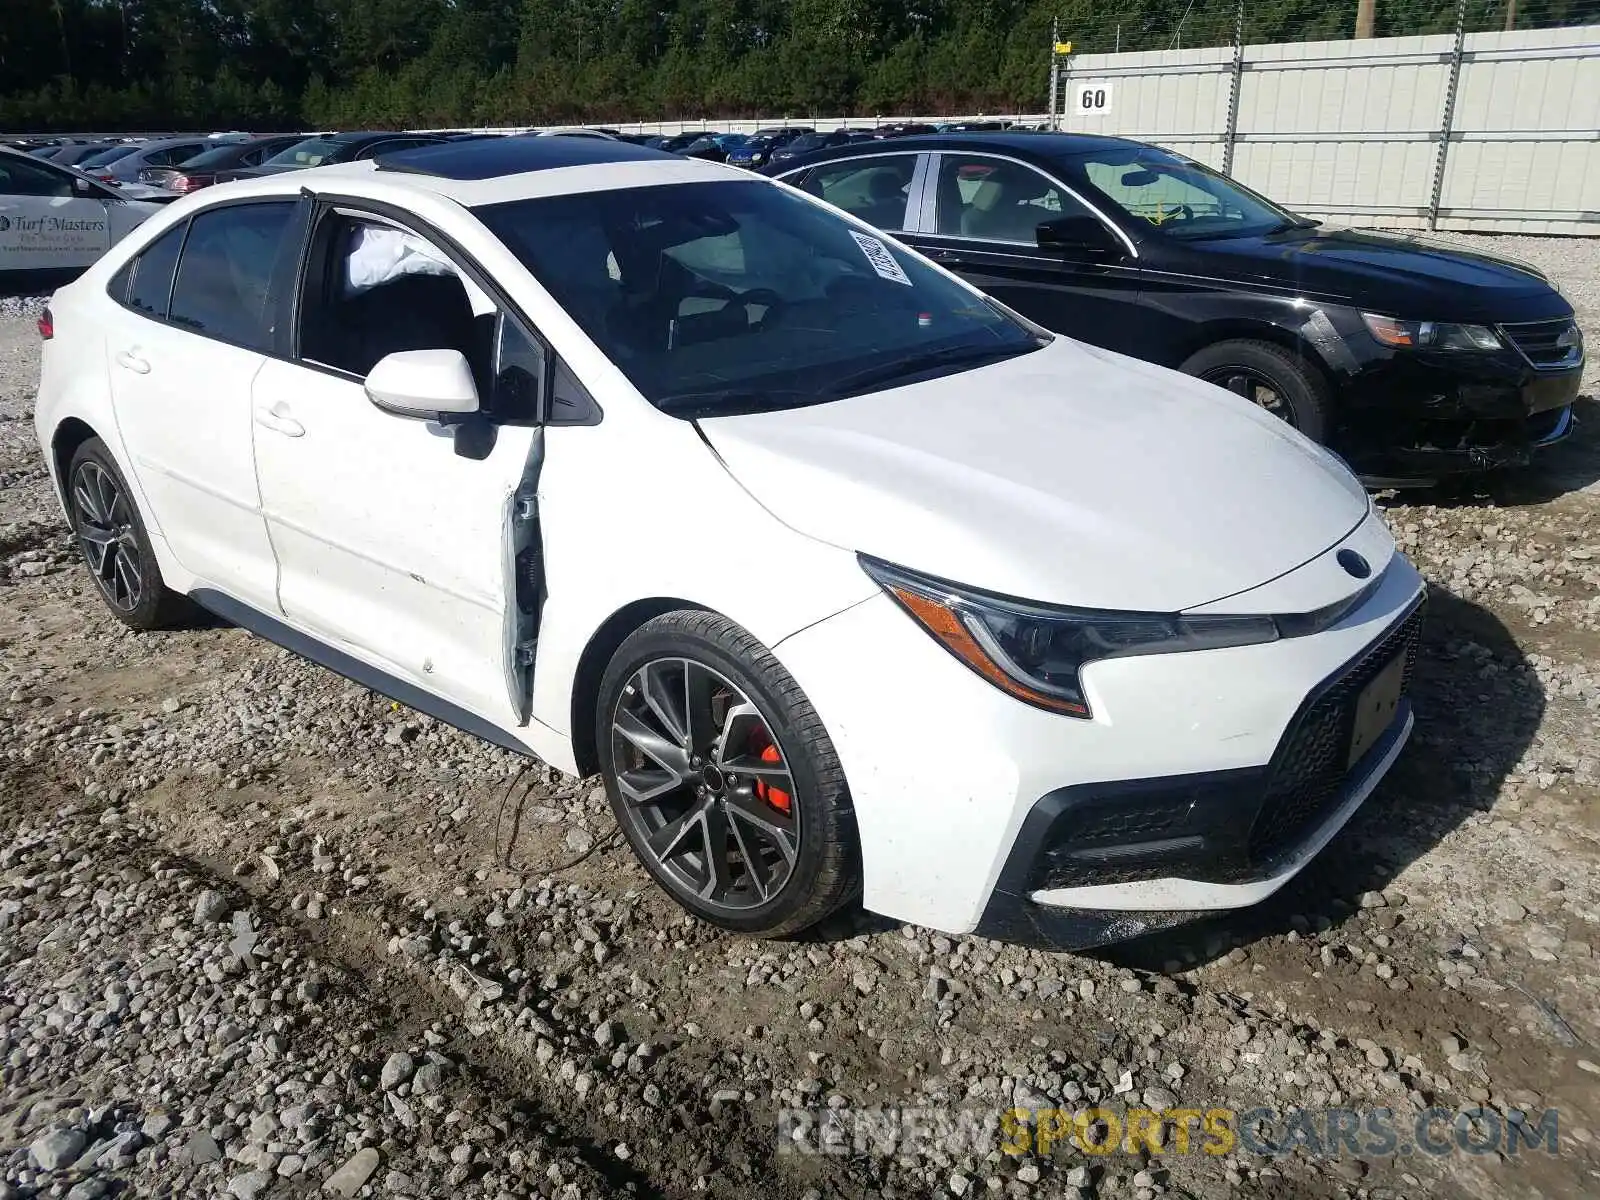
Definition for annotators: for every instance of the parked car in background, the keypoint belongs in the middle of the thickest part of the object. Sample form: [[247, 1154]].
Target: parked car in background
[[677, 142], [811, 143], [162, 152], [752, 153], [205, 168], [55, 221], [73, 155], [714, 147], [100, 159], [325, 148], [895, 129], [577, 131], [1411, 359]]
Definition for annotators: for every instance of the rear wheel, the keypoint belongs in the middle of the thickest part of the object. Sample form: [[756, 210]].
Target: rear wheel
[[723, 779], [1277, 380], [114, 543]]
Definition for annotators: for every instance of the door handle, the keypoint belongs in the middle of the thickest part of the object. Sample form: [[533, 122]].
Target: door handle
[[131, 360], [278, 420]]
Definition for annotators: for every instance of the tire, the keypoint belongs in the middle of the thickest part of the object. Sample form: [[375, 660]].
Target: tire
[[115, 546], [1255, 369], [774, 782]]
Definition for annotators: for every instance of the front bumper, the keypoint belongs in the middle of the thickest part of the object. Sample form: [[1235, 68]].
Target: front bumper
[[947, 773], [1422, 415]]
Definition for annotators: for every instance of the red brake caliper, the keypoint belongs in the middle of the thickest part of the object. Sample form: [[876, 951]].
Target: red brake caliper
[[765, 792]]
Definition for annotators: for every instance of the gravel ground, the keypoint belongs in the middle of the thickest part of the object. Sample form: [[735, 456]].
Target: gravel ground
[[261, 933]]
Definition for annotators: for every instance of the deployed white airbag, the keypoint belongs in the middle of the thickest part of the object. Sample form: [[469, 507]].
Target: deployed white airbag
[[379, 255]]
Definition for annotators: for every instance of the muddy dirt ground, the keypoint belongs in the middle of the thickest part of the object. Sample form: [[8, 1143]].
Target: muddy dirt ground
[[264, 933]]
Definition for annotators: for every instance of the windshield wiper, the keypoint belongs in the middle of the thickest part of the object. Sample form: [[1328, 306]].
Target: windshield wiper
[[916, 364], [1292, 224]]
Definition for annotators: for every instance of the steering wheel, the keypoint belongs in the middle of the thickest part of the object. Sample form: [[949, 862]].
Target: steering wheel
[[1188, 213]]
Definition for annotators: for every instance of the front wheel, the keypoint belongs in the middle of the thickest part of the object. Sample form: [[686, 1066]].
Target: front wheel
[[723, 779], [1271, 377]]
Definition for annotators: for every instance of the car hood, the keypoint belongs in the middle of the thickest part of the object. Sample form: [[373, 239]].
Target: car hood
[[1395, 273], [1071, 475]]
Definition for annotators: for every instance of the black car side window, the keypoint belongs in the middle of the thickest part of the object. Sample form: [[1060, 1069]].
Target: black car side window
[[998, 200], [150, 288], [875, 190], [225, 275]]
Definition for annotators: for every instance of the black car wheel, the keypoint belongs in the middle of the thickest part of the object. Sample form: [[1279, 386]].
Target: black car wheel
[[723, 779], [114, 543], [1268, 375]]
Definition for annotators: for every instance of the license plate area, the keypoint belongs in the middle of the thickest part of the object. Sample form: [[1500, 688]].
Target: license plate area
[[1376, 707]]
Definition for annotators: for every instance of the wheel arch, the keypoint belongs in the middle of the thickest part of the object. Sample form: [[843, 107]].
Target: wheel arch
[[69, 434], [597, 652], [1244, 329]]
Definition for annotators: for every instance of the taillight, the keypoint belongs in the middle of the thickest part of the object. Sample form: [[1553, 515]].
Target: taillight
[[47, 325], [188, 183]]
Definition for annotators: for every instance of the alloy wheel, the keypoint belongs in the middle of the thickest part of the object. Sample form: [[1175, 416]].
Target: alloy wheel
[[704, 784], [106, 533], [1255, 387]]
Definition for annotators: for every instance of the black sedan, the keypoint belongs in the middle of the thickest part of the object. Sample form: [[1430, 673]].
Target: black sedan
[[327, 148], [1412, 359], [218, 162]]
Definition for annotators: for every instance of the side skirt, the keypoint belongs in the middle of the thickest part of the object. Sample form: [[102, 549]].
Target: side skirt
[[275, 631]]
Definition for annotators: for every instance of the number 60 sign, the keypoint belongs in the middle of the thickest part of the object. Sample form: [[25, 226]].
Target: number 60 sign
[[1090, 99]]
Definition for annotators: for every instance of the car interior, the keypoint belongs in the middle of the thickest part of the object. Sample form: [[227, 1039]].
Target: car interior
[[1002, 201], [373, 290]]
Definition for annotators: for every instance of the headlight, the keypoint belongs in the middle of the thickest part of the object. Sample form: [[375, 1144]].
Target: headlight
[[1434, 335], [1035, 652]]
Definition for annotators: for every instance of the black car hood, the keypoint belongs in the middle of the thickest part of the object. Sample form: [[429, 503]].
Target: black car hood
[[1396, 273]]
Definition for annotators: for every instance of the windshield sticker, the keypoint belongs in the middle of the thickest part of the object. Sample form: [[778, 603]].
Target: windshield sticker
[[882, 261]]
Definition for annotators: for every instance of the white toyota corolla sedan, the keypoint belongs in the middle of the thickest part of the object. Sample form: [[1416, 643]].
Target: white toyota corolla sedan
[[848, 580]]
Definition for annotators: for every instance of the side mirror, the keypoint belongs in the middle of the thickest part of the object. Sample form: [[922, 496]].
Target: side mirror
[[1080, 236], [431, 385], [82, 187]]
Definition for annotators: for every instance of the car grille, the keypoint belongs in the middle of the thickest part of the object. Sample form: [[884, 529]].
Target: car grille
[[1308, 773], [1547, 344]]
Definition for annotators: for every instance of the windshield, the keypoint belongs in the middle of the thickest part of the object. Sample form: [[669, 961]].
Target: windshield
[[310, 153], [735, 296], [1182, 199], [808, 141], [105, 157]]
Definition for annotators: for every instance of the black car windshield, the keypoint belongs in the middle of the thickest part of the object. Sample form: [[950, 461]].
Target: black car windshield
[[1181, 198], [310, 153], [733, 296]]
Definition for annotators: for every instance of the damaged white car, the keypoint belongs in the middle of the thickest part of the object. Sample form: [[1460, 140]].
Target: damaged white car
[[846, 579]]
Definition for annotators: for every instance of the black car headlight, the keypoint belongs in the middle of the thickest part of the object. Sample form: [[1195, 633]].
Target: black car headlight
[[1432, 335], [1035, 652]]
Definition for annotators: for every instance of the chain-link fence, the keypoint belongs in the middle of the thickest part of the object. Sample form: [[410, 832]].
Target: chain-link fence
[[1479, 114]]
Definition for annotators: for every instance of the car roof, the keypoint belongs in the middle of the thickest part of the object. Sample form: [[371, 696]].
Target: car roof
[[1039, 146], [492, 159]]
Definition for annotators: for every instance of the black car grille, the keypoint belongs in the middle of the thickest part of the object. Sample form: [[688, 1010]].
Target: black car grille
[[1308, 772], [1546, 344]]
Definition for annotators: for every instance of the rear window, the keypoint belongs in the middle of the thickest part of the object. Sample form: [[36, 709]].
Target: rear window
[[221, 156], [309, 153], [106, 157], [226, 272]]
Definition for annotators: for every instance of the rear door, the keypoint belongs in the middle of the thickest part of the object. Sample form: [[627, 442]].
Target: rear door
[[45, 224], [197, 316], [396, 541], [980, 218]]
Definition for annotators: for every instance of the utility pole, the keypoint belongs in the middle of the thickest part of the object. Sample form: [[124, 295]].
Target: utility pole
[[1511, 15], [1365, 14]]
